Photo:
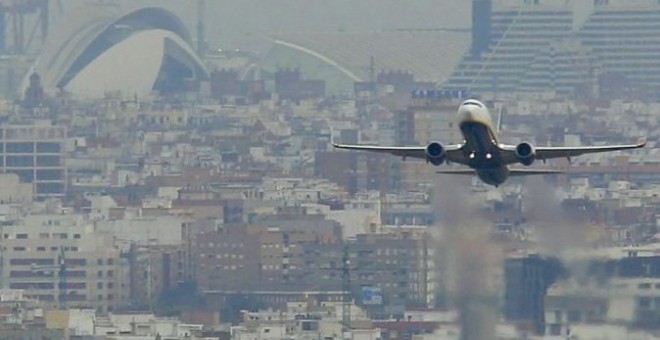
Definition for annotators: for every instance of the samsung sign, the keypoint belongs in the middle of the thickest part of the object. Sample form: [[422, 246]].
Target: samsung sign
[[372, 296]]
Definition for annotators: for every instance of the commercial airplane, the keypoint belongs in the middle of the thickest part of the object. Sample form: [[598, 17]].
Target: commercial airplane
[[481, 150]]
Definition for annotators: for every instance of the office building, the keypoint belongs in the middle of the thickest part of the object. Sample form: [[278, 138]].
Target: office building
[[36, 154]]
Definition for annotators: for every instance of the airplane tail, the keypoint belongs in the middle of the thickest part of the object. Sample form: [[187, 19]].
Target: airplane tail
[[499, 120]]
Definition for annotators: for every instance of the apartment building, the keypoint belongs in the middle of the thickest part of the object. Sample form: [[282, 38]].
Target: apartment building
[[267, 255], [401, 269], [34, 249], [153, 271]]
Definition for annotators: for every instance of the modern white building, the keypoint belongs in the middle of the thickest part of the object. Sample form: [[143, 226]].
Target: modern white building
[[106, 49]]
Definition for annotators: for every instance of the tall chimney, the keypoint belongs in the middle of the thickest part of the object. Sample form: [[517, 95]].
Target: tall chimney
[[481, 26]]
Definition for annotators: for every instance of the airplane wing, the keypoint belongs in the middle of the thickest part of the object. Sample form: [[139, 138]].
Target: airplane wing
[[548, 152], [453, 152]]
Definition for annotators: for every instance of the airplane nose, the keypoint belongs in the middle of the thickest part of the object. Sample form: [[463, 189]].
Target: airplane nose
[[466, 113]]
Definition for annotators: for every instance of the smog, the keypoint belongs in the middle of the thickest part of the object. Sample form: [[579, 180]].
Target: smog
[[469, 264]]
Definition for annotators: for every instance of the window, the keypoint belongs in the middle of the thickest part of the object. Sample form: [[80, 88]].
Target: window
[[76, 236], [20, 161], [99, 262], [20, 148], [644, 286], [24, 175], [50, 188], [99, 285], [48, 147], [45, 161], [49, 175], [41, 248], [555, 329], [21, 236], [574, 316]]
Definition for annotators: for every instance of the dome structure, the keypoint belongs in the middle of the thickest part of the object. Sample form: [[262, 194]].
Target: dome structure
[[96, 50]]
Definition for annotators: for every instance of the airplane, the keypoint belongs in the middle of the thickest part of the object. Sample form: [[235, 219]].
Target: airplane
[[481, 150]]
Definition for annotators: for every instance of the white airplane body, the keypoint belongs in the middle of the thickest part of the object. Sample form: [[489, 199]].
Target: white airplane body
[[481, 150]]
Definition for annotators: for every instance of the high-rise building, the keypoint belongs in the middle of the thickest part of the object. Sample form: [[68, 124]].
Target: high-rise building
[[623, 35], [564, 47], [36, 154], [516, 32], [527, 281]]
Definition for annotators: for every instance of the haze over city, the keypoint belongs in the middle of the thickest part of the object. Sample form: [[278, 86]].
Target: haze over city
[[305, 169]]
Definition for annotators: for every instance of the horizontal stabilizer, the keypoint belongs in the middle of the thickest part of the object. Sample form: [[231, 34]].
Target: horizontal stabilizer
[[468, 172], [528, 172], [512, 172]]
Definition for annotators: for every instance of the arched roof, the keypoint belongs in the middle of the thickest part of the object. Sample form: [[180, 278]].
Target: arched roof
[[89, 31], [429, 55], [133, 65]]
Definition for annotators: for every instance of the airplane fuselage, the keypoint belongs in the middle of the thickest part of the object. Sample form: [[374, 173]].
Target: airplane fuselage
[[481, 143]]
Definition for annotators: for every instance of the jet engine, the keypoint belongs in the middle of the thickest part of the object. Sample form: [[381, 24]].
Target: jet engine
[[435, 153], [526, 153]]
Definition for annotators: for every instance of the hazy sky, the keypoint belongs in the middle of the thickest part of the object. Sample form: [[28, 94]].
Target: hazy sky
[[245, 23]]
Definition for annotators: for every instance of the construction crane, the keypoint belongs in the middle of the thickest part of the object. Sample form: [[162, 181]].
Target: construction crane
[[346, 287], [201, 29], [61, 268], [13, 12]]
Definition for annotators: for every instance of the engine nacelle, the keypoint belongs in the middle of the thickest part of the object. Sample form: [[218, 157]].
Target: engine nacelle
[[435, 153], [526, 153]]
